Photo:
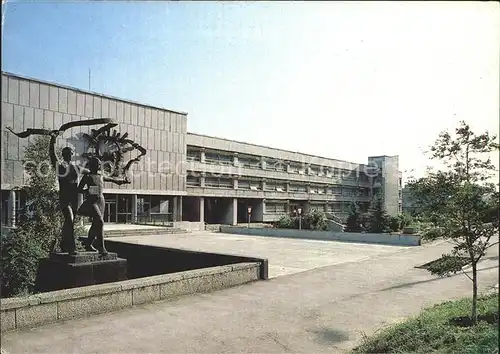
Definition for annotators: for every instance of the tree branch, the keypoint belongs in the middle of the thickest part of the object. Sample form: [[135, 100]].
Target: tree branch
[[467, 275], [493, 244]]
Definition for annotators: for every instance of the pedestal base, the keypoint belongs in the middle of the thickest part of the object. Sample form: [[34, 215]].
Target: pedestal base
[[64, 271]]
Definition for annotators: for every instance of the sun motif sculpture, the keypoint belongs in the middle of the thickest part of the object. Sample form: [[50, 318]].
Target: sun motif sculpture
[[110, 147]]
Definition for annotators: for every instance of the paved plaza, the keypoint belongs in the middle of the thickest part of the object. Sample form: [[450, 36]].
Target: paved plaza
[[322, 310], [286, 256]]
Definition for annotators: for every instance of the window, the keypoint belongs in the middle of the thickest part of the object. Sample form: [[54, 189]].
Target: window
[[249, 161], [193, 181], [275, 208], [193, 155], [298, 188], [275, 165], [218, 158], [219, 182]]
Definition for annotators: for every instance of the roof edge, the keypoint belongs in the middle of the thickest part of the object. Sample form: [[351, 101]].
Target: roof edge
[[22, 77]]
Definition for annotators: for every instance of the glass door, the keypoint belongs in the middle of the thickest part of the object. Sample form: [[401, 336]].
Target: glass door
[[110, 208], [124, 213]]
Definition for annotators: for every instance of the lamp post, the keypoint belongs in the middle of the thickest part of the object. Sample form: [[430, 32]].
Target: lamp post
[[299, 211], [249, 211]]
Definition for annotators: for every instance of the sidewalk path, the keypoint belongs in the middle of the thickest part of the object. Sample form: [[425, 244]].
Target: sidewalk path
[[322, 310]]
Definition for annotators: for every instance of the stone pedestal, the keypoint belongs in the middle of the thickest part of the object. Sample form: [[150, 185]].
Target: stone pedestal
[[64, 271]]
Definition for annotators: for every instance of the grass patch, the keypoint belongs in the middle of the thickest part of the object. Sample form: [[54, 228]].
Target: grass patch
[[441, 329]]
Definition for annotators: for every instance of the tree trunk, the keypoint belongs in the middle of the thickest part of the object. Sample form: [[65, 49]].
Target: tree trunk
[[474, 293]]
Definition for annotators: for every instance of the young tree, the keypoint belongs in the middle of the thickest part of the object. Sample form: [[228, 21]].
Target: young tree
[[459, 202], [378, 219], [353, 222], [40, 223]]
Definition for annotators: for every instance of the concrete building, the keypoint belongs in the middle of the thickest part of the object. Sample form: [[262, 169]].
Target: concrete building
[[184, 176]]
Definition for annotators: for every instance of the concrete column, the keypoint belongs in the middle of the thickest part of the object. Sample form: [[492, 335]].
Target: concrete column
[[263, 162], [235, 183], [288, 168], [306, 207], [288, 187], [179, 208], [202, 209], [263, 185], [232, 212], [235, 159], [11, 212], [258, 212], [175, 209], [202, 155], [134, 208], [202, 181]]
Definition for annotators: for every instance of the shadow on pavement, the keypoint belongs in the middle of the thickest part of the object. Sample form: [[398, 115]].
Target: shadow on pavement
[[407, 285]]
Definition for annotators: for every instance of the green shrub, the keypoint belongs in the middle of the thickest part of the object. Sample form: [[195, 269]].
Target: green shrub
[[39, 228], [354, 220], [394, 223], [285, 222], [433, 331], [314, 220], [21, 251]]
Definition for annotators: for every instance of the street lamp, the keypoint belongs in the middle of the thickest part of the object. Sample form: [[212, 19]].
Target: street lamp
[[249, 211], [299, 211]]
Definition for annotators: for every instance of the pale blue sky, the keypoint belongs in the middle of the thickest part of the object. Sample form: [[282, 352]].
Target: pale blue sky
[[343, 80]]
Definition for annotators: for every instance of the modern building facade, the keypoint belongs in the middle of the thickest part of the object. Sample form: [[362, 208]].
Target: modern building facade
[[185, 176]]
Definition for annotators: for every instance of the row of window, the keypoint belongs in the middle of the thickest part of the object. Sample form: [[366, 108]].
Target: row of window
[[255, 162], [335, 207], [275, 186]]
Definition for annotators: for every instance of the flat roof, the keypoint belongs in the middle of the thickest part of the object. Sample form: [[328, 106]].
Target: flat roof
[[272, 148], [89, 92]]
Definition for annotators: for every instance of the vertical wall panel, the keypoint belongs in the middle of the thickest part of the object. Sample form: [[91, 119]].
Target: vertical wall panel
[[105, 107], [57, 120], [5, 89], [154, 119], [34, 94], [71, 102], [112, 109], [24, 92], [7, 115], [147, 117], [53, 98], [97, 112], [48, 120], [119, 112], [80, 104], [63, 100], [133, 115], [89, 105], [29, 118], [140, 116], [126, 113], [13, 90]]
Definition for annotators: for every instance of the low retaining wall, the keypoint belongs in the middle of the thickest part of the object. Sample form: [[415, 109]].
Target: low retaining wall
[[36, 310], [189, 225], [399, 240], [147, 260]]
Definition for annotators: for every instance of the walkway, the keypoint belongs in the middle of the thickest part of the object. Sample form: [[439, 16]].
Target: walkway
[[321, 310], [286, 256]]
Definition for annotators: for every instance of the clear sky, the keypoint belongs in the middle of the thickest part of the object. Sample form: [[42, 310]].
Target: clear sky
[[343, 80]]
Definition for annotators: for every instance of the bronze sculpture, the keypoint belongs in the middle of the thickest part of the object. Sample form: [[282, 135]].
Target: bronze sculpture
[[68, 176], [93, 206]]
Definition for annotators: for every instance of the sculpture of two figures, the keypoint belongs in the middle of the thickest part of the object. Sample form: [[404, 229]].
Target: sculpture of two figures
[[92, 181]]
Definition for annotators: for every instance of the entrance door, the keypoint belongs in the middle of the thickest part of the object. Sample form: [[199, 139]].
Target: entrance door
[[124, 208], [110, 209]]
